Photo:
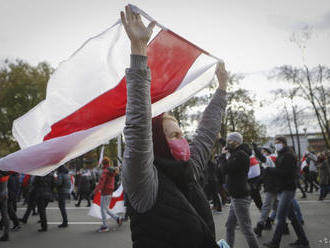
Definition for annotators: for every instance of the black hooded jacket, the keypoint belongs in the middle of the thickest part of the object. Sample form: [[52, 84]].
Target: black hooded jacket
[[285, 171], [236, 169]]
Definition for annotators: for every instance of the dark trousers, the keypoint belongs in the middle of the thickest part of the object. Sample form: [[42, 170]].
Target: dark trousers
[[285, 209], [306, 181], [300, 188], [313, 180], [31, 206], [255, 195], [214, 194], [42, 204], [61, 205], [4, 215], [323, 191], [84, 196], [12, 211]]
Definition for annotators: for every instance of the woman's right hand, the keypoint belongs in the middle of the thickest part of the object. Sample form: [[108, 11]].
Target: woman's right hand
[[136, 31]]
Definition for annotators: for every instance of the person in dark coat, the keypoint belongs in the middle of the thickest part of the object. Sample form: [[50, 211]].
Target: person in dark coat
[[84, 187], [285, 174], [44, 194], [31, 201], [213, 185], [270, 190], [13, 190], [161, 172], [324, 169], [235, 161], [4, 177], [63, 185]]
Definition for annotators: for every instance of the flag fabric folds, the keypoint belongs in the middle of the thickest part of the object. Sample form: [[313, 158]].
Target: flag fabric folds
[[116, 204], [254, 170], [86, 96]]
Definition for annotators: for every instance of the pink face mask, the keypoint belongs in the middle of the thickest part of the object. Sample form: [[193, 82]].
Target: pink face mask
[[180, 149]]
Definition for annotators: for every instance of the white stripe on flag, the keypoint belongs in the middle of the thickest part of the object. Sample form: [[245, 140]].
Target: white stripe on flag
[[95, 68]]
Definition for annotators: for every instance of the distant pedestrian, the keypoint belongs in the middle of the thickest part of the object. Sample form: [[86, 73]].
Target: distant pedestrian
[[107, 185], [235, 163], [313, 173], [323, 165], [63, 185], [13, 191], [4, 177], [44, 194], [285, 173], [84, 187]]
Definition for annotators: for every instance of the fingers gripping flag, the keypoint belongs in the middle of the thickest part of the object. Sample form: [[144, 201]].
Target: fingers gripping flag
[[86, 96]]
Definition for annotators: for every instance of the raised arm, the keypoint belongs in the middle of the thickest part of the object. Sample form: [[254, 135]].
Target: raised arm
[[139, 176], [209, 125]]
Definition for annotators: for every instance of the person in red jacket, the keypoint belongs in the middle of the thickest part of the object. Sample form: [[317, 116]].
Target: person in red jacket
[[106, 185]]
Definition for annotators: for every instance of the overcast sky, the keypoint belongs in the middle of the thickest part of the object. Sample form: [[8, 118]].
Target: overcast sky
[[252, 37]]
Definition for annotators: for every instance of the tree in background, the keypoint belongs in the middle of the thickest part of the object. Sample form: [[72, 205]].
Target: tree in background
[[22, 87], [290, 97], [240, 115], [313, 85]]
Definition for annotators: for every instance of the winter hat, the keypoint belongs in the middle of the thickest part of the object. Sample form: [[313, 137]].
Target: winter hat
[[235, 136]]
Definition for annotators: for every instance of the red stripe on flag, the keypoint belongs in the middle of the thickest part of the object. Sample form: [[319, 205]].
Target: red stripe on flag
[[97, 198], [273, 158], [169, 58], [4, 179], [26, 180], [253, 161], [114, 200]]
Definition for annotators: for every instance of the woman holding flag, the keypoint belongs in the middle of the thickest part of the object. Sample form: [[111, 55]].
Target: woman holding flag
[[160, 172]]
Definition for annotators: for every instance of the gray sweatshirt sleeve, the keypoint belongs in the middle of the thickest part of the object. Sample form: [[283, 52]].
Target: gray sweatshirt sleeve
[[139, 176], [206, 133]]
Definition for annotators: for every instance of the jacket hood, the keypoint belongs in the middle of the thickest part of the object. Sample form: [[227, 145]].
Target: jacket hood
[[245, 147]]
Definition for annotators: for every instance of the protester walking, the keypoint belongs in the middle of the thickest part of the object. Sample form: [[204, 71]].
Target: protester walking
[[106, 185], [161, 173], [44, 194], [4, 177], [285, 176], [311, 161], [235, 163], [212, 187], [63, 185], [13, 191], [323, 166], [84, 187], [270, 190], [31, 201]]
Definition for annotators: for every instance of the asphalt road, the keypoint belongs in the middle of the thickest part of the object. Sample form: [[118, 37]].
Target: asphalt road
[[81, 232]]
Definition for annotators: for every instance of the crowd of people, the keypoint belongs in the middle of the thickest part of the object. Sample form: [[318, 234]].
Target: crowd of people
[[171, 185], [36, 192]]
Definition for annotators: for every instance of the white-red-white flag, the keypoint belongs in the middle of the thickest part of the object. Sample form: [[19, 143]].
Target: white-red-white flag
[[86, 96], [116, 204], [254, 170], [303, 163]]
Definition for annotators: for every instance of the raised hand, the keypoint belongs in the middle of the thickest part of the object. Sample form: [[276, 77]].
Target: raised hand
[[222, 75], [137, 32]]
